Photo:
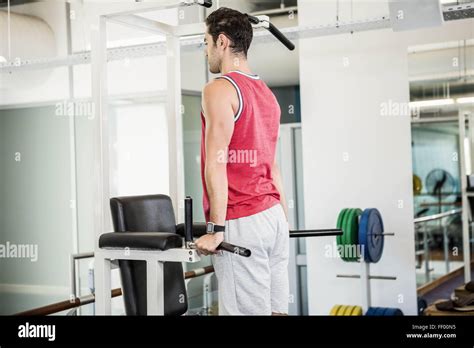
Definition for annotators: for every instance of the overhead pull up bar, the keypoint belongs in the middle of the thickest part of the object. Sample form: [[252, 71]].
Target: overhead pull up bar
[[264, 22]]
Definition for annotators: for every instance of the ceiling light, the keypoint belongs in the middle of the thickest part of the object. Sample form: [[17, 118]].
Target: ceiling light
[[468, 100], [430, 103]]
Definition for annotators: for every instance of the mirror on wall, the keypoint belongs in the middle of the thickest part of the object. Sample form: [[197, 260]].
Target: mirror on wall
[[441, 88]]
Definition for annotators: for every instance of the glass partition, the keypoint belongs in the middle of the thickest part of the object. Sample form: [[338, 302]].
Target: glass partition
[[441, 86]]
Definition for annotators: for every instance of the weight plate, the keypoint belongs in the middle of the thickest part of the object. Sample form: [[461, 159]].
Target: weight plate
[[341, 311], [340, 218], [352, 238], [371, 235], [339, 239], [417, 184], [397, 312], [334, 310], [379, 311], [391, 312], [346, 240], [344, 236], [371, 311], [357, 311], [348, 310], [363, 236]]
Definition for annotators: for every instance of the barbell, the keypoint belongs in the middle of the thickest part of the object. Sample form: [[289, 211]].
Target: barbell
[[190, 230]]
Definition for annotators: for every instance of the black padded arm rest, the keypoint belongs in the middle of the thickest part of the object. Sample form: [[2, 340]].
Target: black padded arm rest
[[140, 240], [199, 229]]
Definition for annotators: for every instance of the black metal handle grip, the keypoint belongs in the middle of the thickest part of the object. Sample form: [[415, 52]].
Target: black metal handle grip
[[253, 19], [207, 3], [234, 249], [188, 219], [282, 38], [275, 32]]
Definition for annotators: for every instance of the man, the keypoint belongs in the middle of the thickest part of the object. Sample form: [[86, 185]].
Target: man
[[243, 195]]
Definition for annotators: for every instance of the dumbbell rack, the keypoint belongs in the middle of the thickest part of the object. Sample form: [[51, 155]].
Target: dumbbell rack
[[365, 278]]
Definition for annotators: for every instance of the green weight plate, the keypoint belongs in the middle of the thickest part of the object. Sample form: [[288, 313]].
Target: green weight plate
[[351, 236], [344, 228], [340, 220], [347, 236], [339, 224]]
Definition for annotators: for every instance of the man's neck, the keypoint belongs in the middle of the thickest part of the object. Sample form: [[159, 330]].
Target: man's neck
[[235, 64]]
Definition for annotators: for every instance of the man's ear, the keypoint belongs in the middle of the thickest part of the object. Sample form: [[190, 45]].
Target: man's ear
[[223, 41]]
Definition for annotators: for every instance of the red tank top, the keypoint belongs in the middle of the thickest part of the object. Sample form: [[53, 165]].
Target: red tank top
[[251, 151]]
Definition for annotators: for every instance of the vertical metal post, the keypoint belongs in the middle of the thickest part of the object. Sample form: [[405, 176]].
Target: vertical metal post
[[99, 94], [101, 153], [73, 164], [154, 287], [446, 247], [287, 167], [175, 125], [365, 284], [467, 241], [465, 200], [207, 293], [427, 253], [72, 276], [103, 291]]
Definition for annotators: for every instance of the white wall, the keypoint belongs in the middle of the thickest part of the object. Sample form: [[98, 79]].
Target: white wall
[[344, 80], [341, 114]]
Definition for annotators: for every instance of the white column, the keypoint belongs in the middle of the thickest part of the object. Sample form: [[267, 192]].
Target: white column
[[175, 127]]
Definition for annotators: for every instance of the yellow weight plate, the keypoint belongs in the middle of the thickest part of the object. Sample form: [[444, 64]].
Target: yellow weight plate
[[348, 310], [334, 310], [357, 311], [417, 184], [341, 310]]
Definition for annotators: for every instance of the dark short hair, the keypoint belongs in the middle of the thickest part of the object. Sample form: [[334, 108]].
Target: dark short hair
[[233, 24]]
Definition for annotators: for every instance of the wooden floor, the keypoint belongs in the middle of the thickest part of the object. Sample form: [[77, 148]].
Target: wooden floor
[[441, 289]]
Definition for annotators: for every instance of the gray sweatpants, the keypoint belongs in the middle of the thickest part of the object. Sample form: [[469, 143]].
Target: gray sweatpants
[[257, 285]]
